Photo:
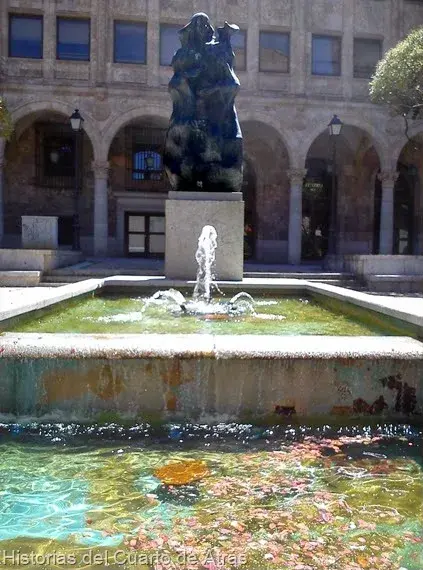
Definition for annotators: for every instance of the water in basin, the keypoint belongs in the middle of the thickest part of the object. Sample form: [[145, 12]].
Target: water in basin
[[140, 314], [260, 498]]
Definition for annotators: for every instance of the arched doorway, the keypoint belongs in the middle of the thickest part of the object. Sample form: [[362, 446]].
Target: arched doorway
[[267, 194], [338, 194], [407, 226], [139, 188], [41, 178], [317, 190], [249, 195]]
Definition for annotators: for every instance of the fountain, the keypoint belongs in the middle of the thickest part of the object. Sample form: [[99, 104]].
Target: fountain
[[299, 497], [201, 303]]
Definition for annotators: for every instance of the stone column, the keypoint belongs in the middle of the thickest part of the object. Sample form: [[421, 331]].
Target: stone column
[[2, 164], [296, 177], [386, 232], [101, 220]]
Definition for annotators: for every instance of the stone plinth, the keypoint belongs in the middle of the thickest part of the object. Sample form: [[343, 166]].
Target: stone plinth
[[186, 215], [40, 232]]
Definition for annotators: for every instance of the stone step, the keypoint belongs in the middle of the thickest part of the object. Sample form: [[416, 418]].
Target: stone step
[[318, 276], [19, 278], [57, 280], [52, 284]]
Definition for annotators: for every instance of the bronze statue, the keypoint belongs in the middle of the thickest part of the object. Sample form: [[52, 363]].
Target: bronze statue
[[203, 148]]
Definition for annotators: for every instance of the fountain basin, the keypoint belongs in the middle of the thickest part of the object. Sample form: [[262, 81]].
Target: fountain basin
[[196, 376]]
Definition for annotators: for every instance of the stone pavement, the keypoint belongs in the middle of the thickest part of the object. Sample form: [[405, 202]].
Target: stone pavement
[[13, 297]]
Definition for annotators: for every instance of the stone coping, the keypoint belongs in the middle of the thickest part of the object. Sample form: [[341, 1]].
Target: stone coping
[[204, 346], [206, 196], [391, 307], [56, 296]]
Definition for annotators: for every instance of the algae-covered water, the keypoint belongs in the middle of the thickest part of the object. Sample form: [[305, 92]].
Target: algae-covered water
[[253, 498], [272, 315]]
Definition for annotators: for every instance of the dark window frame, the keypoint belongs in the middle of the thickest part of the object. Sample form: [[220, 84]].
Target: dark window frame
[[276, 33], [366, 40], [27, 16], [332, 37], [162, 26], [131, 22], [68, 19]]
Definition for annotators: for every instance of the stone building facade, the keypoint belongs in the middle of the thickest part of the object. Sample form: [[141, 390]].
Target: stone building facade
[[299, 63]]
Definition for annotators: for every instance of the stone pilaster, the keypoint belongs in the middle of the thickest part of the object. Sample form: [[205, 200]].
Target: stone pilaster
[[253, 48], [296, 177], [388, 179], [153, 39], [49, 39], [101, 221]]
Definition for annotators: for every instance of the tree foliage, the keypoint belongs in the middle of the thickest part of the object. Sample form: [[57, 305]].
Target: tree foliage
[[6, 123], [398, 80]]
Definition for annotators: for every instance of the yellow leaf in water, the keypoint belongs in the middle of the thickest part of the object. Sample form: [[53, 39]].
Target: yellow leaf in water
[[182, 472]]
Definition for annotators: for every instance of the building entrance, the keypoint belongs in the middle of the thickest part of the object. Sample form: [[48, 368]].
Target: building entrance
[[316, 213]]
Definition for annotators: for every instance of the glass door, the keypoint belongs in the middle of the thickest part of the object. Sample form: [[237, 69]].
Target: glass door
[[145, 235]]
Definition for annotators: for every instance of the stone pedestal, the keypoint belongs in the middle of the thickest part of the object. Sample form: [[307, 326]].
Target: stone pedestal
[[40, 232], [186, 215]]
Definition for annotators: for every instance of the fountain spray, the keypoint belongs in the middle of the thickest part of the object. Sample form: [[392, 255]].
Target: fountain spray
[[205, 257]]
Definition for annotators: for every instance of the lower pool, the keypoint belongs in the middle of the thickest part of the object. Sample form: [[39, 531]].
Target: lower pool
[[114, 314], [215, 497]]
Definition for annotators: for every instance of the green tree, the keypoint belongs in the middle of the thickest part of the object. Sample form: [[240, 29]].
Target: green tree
[[6, 123], [398, 80]]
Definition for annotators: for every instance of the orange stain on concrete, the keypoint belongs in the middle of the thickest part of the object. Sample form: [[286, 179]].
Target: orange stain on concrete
[[171, 401], [71, 384]]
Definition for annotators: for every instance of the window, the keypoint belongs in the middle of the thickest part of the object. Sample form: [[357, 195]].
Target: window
[[366, 55], [239, 46], [55, 155], [130, 42], [145, 234], [274, 52], [169, 42], [146, 165], [73, 39], [59, 155], [326, 56], [26, 36]]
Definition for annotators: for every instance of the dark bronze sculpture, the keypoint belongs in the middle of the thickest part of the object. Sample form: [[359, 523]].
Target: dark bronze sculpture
[[203, 148]]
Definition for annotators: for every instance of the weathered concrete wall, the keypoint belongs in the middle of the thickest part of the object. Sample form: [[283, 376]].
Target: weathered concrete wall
[[227, 376]]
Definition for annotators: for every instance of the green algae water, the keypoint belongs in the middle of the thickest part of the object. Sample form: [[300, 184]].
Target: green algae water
[[266, 498], [274, 316]]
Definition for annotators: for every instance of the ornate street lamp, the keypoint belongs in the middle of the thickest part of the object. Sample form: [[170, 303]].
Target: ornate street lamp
[[335, 127], [76, 121]]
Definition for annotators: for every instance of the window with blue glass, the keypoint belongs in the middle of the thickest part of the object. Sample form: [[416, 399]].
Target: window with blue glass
[[146, 165], [326, 55], [73, 39], [169, 42], [26, 36], [274, 52], [130, 42]]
